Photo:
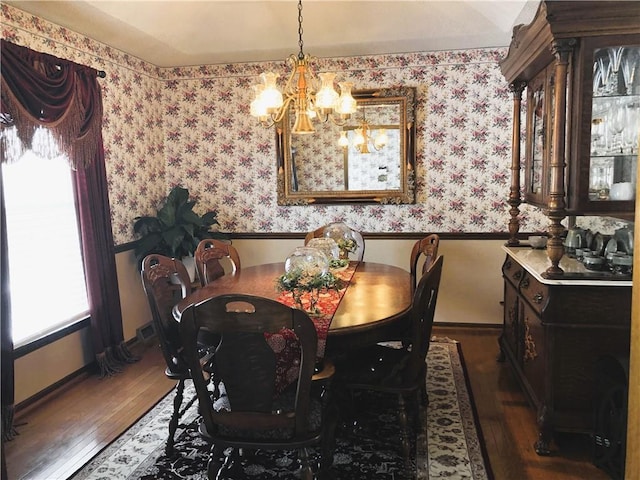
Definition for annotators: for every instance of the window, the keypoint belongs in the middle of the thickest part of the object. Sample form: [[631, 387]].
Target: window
[[48, 289]]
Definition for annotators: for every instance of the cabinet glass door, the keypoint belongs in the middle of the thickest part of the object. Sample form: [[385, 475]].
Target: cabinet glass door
[[538, 139], [615, 123]]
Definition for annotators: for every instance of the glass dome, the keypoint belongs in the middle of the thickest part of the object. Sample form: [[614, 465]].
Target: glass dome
[[307, 260], [343, 236], [338, 231], [327, 245]]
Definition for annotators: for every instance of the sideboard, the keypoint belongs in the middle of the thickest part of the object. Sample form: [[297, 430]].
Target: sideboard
[[554, 332]]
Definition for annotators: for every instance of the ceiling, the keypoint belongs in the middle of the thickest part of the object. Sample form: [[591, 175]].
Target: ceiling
[[183, 33]]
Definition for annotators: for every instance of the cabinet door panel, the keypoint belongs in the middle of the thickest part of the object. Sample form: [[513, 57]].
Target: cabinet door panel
[[511, 331], [573, 367], [533, 354]]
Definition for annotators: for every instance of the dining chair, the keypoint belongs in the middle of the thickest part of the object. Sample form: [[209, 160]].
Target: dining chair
[[166, 281], [208, 256], [357, 236], [394, 368], [250, 413], [425, 250]]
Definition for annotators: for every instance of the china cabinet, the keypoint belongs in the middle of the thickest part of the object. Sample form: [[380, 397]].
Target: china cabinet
[[574, 72], [579, 64]]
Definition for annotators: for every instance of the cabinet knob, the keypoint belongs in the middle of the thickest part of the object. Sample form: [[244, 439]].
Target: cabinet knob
[[517, 275], [525, 283], [538, 297]]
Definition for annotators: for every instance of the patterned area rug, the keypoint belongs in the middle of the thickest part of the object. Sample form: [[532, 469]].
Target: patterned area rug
[[448, 446]]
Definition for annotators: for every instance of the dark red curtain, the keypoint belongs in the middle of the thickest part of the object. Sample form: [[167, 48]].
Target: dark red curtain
[[6, 366], [41, 90]]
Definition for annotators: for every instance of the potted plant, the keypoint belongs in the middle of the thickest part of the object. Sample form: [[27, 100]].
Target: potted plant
[[175, 230]]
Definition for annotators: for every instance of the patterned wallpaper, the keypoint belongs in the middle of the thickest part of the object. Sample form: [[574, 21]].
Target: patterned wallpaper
[[191, 127]]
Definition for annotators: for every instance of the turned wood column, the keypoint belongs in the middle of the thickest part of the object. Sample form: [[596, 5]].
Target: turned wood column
[[556, 210], [514, 192]]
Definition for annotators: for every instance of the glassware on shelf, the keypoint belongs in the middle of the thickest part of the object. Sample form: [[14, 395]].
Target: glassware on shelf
[[616, 71], [600, 178], [631, 70], [617, 122], [605, 72], [615, 57]]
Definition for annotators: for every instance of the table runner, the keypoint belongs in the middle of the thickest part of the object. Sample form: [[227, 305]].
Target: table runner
[[286, 346]]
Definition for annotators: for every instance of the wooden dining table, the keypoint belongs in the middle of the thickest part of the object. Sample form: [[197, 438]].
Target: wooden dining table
[[373, 308]]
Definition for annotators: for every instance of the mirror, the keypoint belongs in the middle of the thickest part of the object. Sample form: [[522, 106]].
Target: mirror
[[330, 166]]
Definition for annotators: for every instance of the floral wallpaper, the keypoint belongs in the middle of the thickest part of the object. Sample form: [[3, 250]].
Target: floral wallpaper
[[191, 127]]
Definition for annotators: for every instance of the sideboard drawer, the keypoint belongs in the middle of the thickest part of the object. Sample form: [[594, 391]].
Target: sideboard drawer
[[512, 271], [535, 293]]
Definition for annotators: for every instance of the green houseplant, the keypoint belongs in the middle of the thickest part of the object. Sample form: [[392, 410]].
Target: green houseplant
[[175, 230]]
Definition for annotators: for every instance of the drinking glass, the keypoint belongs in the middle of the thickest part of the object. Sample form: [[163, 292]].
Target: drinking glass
[[630, 69], [605, 69], [617, 123], [615, 57]]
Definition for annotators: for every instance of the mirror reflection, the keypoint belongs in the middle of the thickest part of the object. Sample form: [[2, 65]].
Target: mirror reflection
[[367, 158]]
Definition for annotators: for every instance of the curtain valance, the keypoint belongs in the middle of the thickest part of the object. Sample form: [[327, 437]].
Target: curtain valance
[[39, 89]]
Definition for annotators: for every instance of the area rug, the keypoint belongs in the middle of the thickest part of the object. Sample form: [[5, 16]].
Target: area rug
[[447, 446]]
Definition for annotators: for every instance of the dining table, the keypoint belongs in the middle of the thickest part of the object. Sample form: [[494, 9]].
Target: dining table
[[376, 299], [372, 305]]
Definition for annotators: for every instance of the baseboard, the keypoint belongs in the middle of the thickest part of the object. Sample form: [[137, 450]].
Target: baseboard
[[76, 376], [467, 325]]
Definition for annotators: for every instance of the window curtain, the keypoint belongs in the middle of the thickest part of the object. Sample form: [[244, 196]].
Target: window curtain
[[39, 90]]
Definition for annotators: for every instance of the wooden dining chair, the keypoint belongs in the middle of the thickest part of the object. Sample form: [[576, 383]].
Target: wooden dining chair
[[251, 414], [210, 256], [424, 250], [394, 368], [166, 281], [357, 236]]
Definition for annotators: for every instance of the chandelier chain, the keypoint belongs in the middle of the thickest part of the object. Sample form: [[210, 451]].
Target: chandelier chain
[[300, 42]]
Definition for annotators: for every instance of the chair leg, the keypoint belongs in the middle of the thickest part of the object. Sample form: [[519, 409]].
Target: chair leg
[[215, 466], [305, 471], [404, 427], [173, 423], [424, 397], [328, 443]]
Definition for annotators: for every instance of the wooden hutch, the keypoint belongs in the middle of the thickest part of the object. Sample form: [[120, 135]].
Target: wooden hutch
[[579, 64]]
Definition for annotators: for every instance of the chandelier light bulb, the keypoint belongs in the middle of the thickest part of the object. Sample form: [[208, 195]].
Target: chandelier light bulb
[[346, 105], [343, 141], [258, 108], [270, 96], [327, 97], [381, 139]]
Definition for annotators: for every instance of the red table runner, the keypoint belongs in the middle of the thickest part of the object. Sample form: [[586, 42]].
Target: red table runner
[[286, 346]]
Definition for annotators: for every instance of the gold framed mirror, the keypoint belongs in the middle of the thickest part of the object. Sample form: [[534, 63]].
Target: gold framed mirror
[[368, 159]]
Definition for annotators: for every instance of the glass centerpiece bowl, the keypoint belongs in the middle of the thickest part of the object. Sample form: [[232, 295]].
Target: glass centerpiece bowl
[[326, 245], [310, 261], [332, 251], [306, 274], [343, 236]]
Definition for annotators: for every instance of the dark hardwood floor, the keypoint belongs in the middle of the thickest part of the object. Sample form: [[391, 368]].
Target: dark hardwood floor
[[63, 431]]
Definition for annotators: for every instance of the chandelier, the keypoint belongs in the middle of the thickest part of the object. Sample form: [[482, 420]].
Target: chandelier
[[270, 104], [364, 137]]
